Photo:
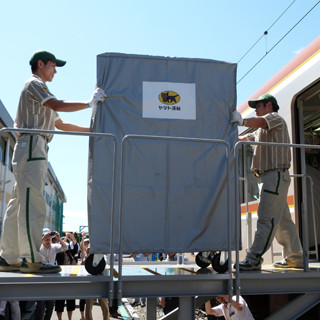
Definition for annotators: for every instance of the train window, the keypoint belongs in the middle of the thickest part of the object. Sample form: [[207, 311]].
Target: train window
[[307, 106]]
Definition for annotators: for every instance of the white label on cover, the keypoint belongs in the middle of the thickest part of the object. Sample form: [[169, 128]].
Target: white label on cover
[[169, 100]]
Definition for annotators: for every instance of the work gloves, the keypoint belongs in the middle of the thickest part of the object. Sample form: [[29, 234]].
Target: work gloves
[[236, 118], [98, 96]]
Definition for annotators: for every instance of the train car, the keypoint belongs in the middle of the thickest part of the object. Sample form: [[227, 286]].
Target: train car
[[297, 90]]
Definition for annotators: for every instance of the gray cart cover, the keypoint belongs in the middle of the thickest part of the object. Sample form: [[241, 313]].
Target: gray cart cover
[[175, 193]]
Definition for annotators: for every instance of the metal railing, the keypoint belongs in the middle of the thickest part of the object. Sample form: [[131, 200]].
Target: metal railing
[[115, 151], [303, 175], [233, 280], [176, 139]]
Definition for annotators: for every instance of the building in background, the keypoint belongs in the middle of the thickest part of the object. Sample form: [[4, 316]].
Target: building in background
[[53, 192]]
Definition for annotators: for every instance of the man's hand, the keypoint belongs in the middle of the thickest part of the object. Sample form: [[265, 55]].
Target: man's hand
[[98, 96], [70, 235], [57, 235], [236, 118]]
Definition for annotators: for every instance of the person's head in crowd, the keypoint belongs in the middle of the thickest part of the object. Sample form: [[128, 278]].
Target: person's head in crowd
[[223, 299], [72, 236], [47, 239], [171, 256], [65, 239], [86, 243]]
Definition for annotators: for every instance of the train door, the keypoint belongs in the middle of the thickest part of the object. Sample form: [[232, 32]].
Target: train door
[[306, 117]]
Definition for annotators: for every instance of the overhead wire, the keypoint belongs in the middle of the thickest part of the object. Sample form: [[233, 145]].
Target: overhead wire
[[267, 52], [266, 32]]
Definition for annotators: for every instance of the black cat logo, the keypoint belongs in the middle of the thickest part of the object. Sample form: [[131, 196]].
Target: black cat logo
[[169, 97]]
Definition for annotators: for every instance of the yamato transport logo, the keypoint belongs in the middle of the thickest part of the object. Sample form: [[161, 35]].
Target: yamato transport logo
[[169, 97]]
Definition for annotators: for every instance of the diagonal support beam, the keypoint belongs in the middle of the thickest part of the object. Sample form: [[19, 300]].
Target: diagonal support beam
[[296, 307]]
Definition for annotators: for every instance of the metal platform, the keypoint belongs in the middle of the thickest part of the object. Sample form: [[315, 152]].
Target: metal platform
[[166, 279], [155, 280]]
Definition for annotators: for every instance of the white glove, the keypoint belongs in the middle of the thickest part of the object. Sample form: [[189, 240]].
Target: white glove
[[98, 96], [236, 118]]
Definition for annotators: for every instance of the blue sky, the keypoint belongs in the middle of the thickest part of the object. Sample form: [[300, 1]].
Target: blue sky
[[77, 31]]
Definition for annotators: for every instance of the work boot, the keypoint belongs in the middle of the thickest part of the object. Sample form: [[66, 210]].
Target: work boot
[[4, 266], [38, 267], [245, 265], [286, 264]]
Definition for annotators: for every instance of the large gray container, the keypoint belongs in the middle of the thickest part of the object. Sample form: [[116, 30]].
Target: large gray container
[[175, 195]]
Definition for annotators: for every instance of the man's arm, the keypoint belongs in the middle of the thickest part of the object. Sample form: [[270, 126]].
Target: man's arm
[[70, 106], [210, 310], [71, 237], [82, 249], [66, 126], [237, 305], [254, 122], [63, 244], [66, 106], [242, 138]]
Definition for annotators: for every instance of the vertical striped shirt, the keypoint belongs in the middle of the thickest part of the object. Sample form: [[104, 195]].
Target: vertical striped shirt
[[267, 158], [32, 114]]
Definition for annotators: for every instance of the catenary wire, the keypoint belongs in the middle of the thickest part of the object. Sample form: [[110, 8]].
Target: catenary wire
[[276, 44], [266, 32]]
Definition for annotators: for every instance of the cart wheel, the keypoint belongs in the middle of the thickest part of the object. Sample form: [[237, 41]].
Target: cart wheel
[[94, 269], [219, 266], [201, 261]]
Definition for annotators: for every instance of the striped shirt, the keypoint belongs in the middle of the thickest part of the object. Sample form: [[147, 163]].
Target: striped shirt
[[267, 158], [32, 114]]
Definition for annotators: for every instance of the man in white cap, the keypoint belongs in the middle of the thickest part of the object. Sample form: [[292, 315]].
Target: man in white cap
[[271, 164], [26, 212]]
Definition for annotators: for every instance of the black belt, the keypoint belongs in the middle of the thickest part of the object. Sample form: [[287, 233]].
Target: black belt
[[38, 134], [259, 173]]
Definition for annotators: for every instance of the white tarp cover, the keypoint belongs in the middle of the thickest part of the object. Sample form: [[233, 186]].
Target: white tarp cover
[[175, 193]]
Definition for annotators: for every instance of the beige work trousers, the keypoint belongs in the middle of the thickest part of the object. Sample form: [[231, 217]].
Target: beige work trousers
[[274, 220], [25, 215], [104, 308]]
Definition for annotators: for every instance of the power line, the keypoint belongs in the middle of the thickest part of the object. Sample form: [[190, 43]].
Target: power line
[[277, 43], [266, 32]]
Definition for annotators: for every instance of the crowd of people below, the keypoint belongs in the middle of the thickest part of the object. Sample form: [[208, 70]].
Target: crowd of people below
[[57, 251], [70, 250], [73, 249]]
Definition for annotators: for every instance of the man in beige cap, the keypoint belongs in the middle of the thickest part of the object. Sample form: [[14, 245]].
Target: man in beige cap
[[26, 210], [271, 164]]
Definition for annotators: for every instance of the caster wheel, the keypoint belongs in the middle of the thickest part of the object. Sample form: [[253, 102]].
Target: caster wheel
[[220, 265], [94, 268], [202, 261]]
